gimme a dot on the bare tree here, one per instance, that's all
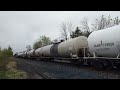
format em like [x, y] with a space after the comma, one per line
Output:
[104, 22]
[95, 25]
[85, 27]
[70, 28]
[64, 30]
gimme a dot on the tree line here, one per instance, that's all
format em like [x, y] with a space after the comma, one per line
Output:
[68, 31]
[85, 29]
[6, 52]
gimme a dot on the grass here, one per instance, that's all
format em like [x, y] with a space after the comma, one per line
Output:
[10, 72]
[8, 68]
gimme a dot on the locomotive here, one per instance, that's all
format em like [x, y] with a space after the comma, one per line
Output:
[101, 50]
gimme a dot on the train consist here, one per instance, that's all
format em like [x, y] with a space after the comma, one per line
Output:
[101, 49]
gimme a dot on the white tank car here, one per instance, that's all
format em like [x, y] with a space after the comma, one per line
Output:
[45, 51]
[37, 52]
[106, 42]
[20, 54]
[73, 46]
[30, 53]
[24, 54]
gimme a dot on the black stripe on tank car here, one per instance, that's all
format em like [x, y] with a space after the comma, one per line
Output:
[54, 50]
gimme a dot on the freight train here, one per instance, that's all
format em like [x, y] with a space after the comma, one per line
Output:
[101, 50]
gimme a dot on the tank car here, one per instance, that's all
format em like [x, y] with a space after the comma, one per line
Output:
[19, 55]
[73, 47]
[24, 55]
[37, 52]
[104, 46]
[45, 51]
[54, 50]
[101, 49]
[106, 42]
[31, 54]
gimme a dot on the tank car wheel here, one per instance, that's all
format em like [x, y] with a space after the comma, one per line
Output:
[109, 65]
[118, 66]
[76, 62]
[98, 65]
[52, 60]
[90, 63]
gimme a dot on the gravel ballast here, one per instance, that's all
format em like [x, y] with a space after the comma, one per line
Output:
[62, 71]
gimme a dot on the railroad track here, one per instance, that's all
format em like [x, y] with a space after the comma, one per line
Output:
[66, 63]
[43, 75]
[114, 70]
[40, 72]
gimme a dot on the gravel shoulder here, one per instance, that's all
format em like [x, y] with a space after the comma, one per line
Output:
[61, 71]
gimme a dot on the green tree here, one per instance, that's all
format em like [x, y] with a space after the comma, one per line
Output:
[86, 33]
[0, 48]
[76, 33]
[7, 51]
[10, 52]
[42, 41]
[37, 44]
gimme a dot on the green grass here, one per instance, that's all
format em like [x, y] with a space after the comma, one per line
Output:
[2, 75]
[8, 66]
[15, 74]
[10, 71]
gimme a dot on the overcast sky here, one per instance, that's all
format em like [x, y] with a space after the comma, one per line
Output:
[21, 28]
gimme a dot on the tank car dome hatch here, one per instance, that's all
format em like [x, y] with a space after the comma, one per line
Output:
[106, 42]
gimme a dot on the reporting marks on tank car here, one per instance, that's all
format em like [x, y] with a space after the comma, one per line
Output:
[104, 44]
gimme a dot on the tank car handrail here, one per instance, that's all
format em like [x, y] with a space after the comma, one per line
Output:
[118, 55]
[101, 58]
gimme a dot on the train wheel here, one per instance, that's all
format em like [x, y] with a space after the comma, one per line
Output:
[109, 65]
[76, 62]
[118, 66]
[89, 62]
[98, 65]
[52, 60]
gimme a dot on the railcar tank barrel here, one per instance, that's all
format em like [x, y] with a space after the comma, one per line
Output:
[74, 46]
[106, 42]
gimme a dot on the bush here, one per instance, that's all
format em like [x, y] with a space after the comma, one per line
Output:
[4, 57]
[11, 72]
[8, 66]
